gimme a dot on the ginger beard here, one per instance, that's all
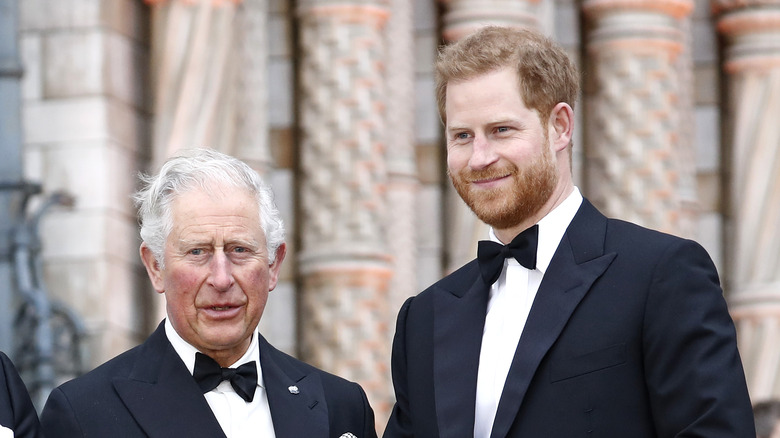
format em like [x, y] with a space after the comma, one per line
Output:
[502, 208]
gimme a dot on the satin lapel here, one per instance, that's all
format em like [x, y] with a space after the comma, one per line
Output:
[301, 414]
[577, 263]
[458, 321]
[162, 396]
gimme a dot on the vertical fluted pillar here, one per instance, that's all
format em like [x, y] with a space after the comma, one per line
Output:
[403, 184]
[345, 265]
[251, 142]
[460, 18]
[637, 159]
[194, 65]
[751, 29]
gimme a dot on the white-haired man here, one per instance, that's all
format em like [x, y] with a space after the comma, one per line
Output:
[213, 243]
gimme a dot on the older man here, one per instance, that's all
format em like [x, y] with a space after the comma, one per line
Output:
[213, 244]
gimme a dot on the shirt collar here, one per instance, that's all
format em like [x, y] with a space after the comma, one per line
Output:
[551, 229]
[187, 352]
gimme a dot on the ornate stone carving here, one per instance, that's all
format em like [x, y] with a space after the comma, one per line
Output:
[344, 258]
[634, 110]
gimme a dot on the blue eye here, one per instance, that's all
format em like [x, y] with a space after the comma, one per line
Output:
[196, 251]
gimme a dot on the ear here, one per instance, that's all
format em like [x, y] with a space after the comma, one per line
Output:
[561, 126]
[152, 268]
[276, 266]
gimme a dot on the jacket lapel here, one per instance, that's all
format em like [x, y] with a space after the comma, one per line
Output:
[459, 319]
[162, 396]
[298, 413]
[577, 263]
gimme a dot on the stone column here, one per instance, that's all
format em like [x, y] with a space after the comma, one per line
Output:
[751, 30]
[460, 18]
[403, 184]
[251, 112]
[194, 75]
[638, 166]
[345, 264]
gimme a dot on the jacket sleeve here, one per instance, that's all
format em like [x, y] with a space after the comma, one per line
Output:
[400, 422]
[18, 412]
[58, 418]
[692, 367]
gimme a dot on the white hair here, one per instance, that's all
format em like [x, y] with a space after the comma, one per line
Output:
[201, 169]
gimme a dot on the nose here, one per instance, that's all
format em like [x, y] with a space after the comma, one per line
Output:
[221, 277]
[482, 153]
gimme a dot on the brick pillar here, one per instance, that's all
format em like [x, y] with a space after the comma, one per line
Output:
[638, 164]
[751, 30]
[345, 264]
[460, 18]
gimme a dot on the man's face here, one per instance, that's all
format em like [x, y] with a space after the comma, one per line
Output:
[217, 276]
[498, 152]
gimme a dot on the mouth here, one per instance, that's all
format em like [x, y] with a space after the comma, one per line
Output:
[221, 308]
[489, 181]
[222, 311]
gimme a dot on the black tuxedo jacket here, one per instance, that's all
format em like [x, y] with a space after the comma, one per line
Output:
[629, 336]
[148, 391]
[16, 409]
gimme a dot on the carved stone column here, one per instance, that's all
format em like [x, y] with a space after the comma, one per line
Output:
[638, 159]
[460, 18]
[751, 29]
[345, 265]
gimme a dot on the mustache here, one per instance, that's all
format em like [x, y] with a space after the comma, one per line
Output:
[485, 174]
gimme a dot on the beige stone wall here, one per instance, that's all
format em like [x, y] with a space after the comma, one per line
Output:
[86, 125]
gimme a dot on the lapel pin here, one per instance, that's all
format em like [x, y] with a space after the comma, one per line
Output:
[348, 435]
[293, 389]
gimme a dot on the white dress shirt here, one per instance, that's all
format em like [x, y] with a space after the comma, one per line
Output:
[509, 304]
[238, 418]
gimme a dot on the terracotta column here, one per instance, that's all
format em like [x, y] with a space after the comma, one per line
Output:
[345, 264]
[638, 164]
[751, 29]
[460, 18]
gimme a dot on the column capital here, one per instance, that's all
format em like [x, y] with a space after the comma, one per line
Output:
[215, 3]
[463, 17]
[752, 29]
[352, 11]
[637, 25]
[721, 6]
[673, 8]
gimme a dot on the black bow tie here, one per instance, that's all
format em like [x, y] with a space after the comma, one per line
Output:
[209, 375]
[491, 255]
